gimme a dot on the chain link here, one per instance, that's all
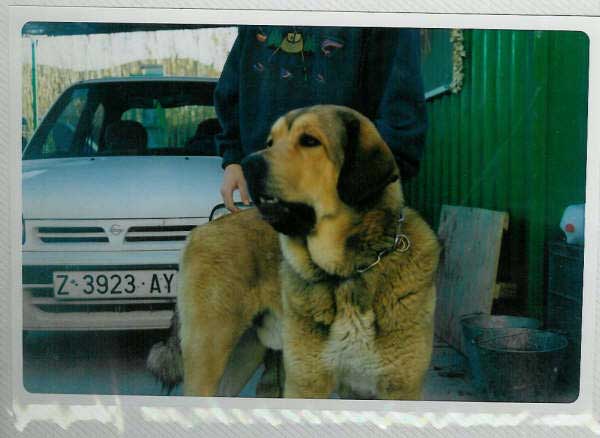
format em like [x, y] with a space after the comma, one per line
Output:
[401, 244]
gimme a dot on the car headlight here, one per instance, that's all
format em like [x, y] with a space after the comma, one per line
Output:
[220, 210]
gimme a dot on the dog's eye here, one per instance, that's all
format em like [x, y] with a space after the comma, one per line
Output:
[269, 142]
[309, 140]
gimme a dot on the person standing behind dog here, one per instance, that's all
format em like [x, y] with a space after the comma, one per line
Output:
[271, 70]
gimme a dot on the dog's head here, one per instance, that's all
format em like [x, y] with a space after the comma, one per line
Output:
[318, 160]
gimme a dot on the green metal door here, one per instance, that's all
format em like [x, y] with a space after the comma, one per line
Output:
[513, 139]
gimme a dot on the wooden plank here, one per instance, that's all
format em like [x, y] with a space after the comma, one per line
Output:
[466, 281]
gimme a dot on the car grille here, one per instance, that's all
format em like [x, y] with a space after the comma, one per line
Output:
[41, 297]
[108, 234]
[167, 233]
[72, 235]
[91, 308]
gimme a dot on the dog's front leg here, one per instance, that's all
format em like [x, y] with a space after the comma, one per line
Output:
[306, 375]
[403, 374]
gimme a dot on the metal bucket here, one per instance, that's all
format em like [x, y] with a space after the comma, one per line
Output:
[473, 327]
[520, 364]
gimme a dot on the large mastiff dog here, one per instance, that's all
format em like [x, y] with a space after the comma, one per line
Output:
[332, 267]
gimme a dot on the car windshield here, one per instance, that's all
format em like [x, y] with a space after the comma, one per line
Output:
[129, 118]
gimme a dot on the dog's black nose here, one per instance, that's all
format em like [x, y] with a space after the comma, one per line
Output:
[255, 170]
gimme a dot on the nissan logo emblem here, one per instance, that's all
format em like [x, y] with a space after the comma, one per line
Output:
[116, 229]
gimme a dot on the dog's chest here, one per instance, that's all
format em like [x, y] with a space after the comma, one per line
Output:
[350, 348]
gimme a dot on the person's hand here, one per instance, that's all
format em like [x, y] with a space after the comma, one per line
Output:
[233, 180]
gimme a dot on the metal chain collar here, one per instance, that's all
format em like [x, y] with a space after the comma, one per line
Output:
[401, 244]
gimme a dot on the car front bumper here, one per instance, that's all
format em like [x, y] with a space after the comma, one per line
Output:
[41, 311]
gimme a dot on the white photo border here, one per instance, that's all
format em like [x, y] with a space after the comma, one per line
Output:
[78, 415]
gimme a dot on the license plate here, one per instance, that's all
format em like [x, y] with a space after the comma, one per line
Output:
[114, 284]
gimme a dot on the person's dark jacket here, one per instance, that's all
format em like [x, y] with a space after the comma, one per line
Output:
[375, 71]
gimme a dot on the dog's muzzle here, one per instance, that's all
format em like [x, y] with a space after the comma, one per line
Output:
[290, 218]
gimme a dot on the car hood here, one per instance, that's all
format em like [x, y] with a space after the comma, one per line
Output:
[121, 187]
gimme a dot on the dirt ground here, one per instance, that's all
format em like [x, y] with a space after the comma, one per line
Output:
[114, 363]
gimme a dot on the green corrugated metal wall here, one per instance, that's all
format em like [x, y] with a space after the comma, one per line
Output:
[513, 139]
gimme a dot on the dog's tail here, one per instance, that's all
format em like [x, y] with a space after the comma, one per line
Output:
[164, 360]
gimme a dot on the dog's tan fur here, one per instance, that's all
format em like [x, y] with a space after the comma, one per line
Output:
[360, 334]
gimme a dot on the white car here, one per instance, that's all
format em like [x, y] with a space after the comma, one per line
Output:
[115, 177]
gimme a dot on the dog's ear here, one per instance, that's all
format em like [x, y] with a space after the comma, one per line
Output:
[368, 165]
